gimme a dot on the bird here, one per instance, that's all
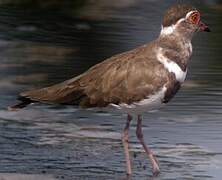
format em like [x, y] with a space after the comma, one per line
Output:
[135, 82]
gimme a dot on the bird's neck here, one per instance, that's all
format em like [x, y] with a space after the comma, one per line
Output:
[176, 32]
[172, 38]
[175, 47]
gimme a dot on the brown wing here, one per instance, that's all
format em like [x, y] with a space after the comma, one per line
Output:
[122, 78]
[60, 93]
[71, 91]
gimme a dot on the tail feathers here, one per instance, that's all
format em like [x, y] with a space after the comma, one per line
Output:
[63, 93]
[25, 102]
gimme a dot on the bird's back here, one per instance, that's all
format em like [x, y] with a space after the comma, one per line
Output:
[124, 78]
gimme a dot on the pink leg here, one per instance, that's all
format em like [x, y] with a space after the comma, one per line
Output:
[139, 134]
[125, 140]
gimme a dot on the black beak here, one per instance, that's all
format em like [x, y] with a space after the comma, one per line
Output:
[207, 29]
[203, 27]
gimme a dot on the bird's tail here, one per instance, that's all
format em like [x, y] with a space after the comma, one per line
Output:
[24, 102]
[68, 92]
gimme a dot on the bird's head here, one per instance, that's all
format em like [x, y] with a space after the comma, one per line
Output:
[182, 20]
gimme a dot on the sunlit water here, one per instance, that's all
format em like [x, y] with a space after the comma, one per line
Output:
[43, 45]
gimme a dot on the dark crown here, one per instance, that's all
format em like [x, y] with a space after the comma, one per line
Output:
[174, 13]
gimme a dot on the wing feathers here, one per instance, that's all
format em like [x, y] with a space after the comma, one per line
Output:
[123, 78]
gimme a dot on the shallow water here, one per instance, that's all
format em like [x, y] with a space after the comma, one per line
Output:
[48, 43]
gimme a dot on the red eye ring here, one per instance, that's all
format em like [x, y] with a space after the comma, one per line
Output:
[194, 17]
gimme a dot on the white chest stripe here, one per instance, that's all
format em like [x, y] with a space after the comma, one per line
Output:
[172, 67]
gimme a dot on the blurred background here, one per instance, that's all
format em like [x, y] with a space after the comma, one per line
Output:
[46, 42]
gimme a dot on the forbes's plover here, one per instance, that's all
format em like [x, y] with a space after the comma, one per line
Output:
[134, 82]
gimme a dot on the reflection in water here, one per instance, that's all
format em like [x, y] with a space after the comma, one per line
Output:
[53, 41]
[17, 176]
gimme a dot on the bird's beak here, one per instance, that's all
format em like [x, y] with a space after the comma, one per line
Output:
[203, 27]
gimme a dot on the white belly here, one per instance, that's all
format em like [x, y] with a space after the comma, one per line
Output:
[151, 103]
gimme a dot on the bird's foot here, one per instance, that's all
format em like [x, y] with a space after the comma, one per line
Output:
[128, 176]
[155, 166]
[156, 171]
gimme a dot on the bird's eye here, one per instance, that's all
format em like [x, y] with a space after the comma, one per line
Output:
[194, 17]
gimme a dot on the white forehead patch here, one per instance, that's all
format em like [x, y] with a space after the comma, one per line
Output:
[172, 67]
